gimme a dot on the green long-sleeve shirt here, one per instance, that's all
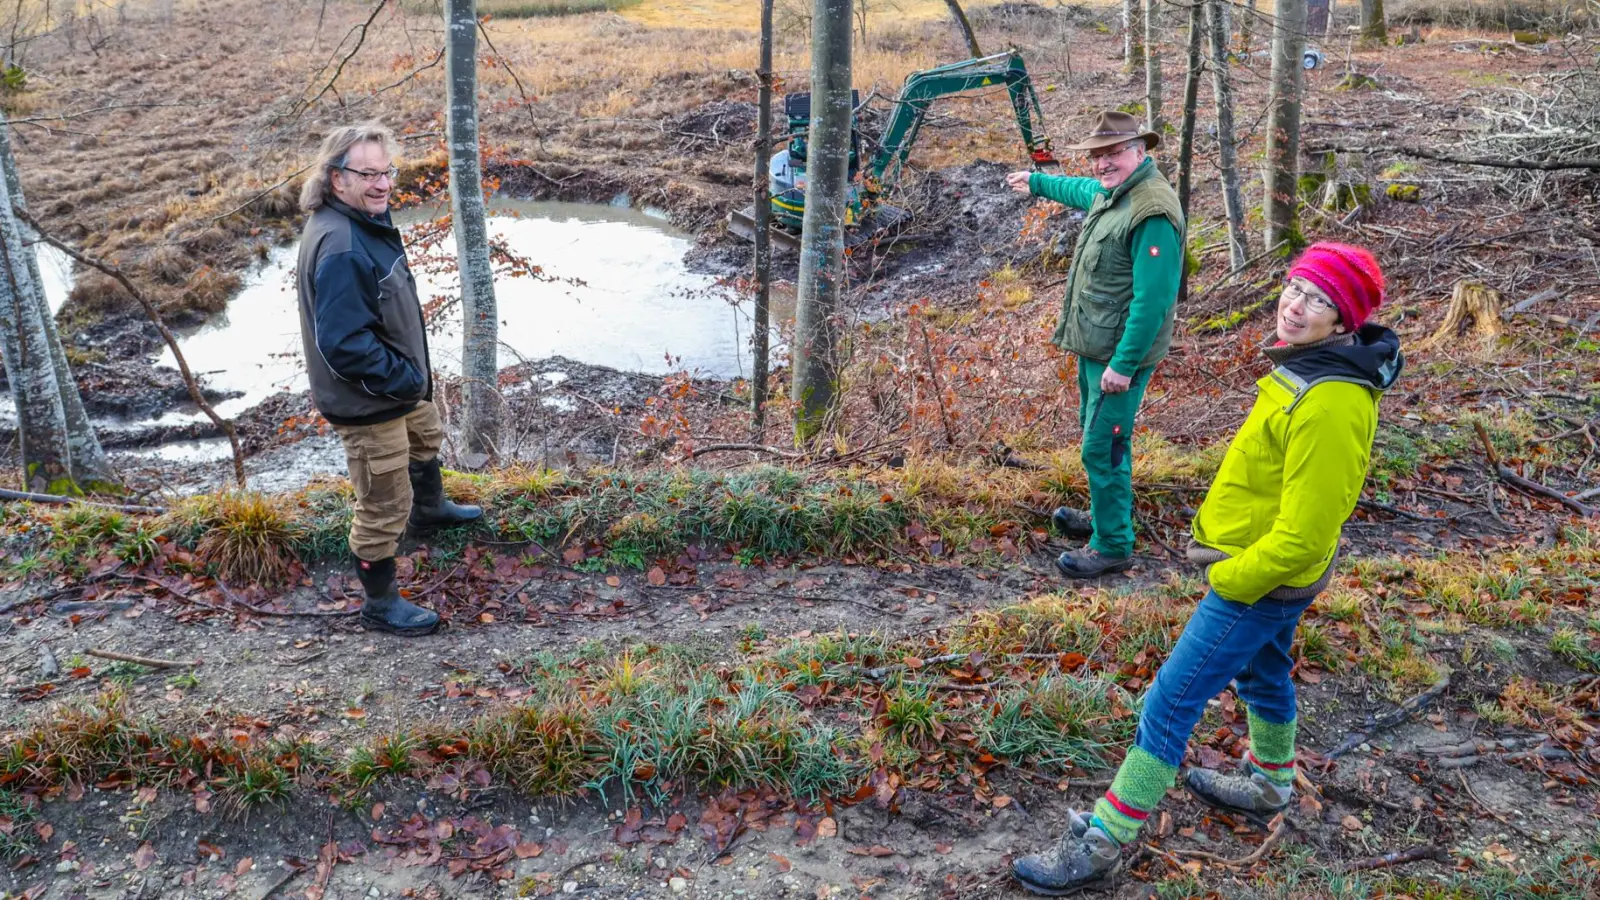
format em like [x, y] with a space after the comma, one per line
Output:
[1157, 266]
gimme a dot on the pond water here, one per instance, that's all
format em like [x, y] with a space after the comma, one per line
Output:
[619, 296]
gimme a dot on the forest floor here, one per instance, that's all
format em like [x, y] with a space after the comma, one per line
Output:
[942, 699]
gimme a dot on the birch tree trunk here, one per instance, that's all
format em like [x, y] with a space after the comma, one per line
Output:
[480, 323]
[1152, 65]
[41, 421]
[1132, 36]
[89, 466]
[1374, 26]
[761, 333]
[965, 24]
[1191, 99]
[822, 230]
[1280, 205]
[1227, 148]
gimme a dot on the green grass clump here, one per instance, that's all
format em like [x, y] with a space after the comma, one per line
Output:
[18, 813]
[1061, 721]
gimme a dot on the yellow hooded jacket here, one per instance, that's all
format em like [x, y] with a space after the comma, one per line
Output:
[1294, 471]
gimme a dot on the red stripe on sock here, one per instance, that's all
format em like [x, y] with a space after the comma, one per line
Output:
[1273, 766]
[1125, 809]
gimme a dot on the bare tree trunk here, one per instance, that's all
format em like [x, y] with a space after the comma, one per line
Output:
[41, 422]
[1374, 26]
[1247, 23]
[1280, 206]
[90, 468]
[963, 23]
[1227, 148]
[1152, 65]
[1191, 100]
[762, 331]
[1132, 36]
[822, 230]
[480, 324]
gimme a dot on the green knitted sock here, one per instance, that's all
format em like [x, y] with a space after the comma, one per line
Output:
[1272, 748]
[1140, 784]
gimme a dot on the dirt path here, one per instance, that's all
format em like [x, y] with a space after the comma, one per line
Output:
[326, 679]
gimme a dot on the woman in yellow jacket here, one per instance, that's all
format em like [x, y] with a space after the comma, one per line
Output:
[1269, 532]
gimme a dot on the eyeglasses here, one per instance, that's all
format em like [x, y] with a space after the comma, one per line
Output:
[1117, 152]
[392, 172]
[1313, 302]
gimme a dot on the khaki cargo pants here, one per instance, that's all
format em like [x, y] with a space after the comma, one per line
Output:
[378, 456]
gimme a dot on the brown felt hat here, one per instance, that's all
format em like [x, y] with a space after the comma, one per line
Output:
[1112, 128]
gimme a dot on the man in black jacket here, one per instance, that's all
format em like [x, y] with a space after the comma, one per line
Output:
[366, 353]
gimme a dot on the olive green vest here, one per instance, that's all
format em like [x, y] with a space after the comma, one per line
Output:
[1100, 282]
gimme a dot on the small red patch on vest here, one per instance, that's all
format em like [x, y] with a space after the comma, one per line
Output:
[1155, 251]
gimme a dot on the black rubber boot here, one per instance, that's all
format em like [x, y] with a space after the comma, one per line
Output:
[429, 508]
[1090, 563]
[385, 610]
[1073, 523]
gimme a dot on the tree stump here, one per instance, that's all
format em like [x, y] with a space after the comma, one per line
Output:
[1474, 310]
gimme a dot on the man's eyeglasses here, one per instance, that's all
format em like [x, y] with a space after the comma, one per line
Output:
[366, 175]
[1313, 302]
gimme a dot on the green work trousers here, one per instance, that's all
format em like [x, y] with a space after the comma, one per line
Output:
[1107, 421]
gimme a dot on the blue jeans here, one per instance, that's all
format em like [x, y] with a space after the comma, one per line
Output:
[1224, 641]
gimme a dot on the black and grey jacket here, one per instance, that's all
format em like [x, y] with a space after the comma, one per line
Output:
[360, 318]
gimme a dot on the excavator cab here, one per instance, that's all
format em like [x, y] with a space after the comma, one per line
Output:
[787, 170]
[873, 178]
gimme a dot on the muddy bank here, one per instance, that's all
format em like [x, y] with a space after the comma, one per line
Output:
[559, 413]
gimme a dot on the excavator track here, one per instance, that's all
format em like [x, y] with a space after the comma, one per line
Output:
[883, 222]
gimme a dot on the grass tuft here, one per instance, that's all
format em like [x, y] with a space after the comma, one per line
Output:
[250, 539]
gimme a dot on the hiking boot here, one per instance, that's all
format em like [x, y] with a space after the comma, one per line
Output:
[385, 609]
[1250, 795]
[1074, 523]
[1084, 857]
[429, 507]
[1091, 563]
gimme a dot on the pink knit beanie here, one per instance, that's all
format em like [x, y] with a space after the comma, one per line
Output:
[1349, 275]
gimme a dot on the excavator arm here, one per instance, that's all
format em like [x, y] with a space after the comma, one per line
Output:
[922, 88]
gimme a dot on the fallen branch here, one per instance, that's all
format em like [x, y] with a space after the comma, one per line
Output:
[1504, 473]
[1250, 860]
[1390, 719]
[1493, 162]
[1491, 746]
[148, 661]
[1394, 510]
[1400, 857]
[6, 494]
[241, 207]
[753, 448]
[224, 425]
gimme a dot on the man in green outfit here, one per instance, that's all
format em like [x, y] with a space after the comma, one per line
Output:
[1117, 318]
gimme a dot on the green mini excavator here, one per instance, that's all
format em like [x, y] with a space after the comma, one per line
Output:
[867, 213]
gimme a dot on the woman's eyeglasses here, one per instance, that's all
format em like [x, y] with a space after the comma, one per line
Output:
[1313, 302]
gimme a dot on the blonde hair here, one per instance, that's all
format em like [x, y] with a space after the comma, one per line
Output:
[332, 154]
